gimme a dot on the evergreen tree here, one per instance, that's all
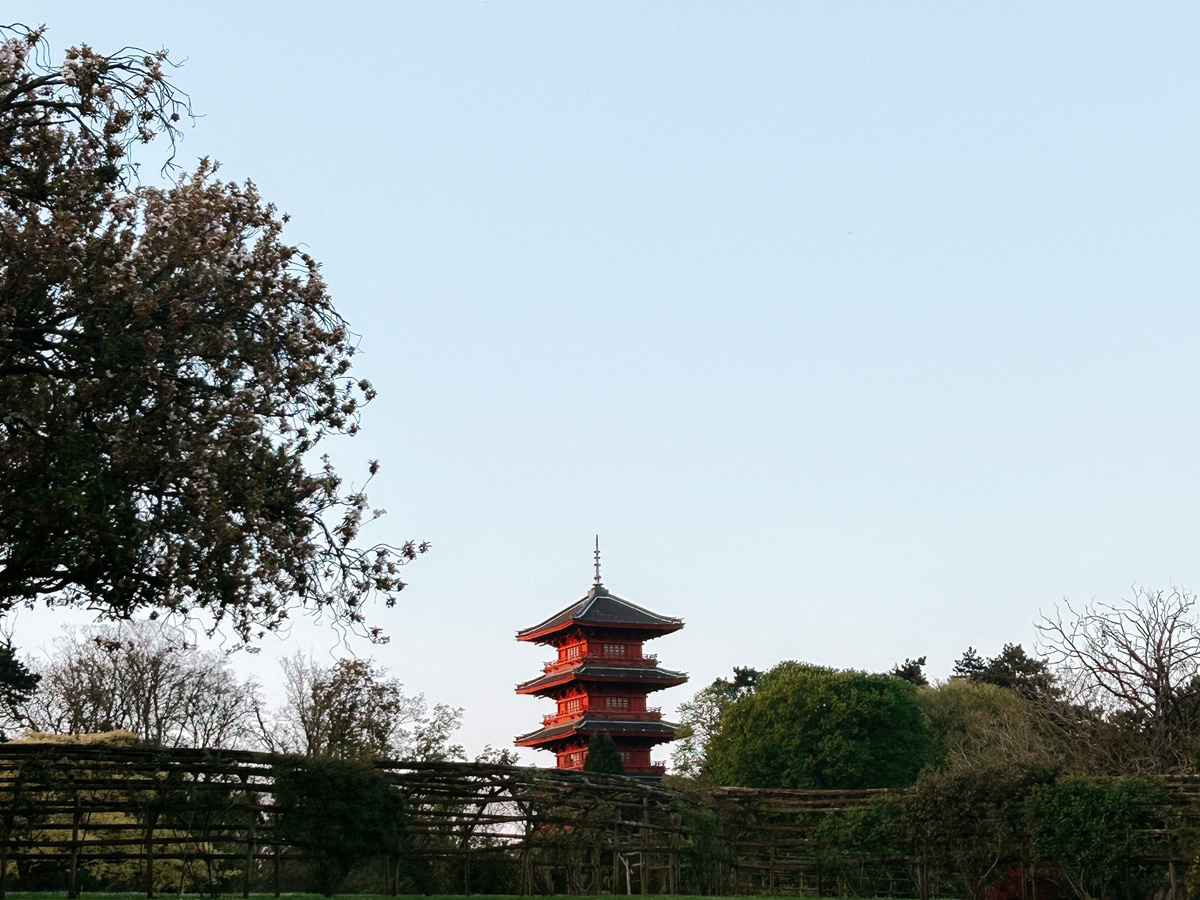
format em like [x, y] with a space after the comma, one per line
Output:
[912, 670]
[1013, 668]
[603, 756]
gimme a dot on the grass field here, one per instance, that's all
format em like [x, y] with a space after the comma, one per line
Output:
[167, 895]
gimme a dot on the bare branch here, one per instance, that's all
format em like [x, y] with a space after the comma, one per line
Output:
[1135, 662]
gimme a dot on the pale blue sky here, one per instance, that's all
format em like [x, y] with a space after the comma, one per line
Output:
[858, 331]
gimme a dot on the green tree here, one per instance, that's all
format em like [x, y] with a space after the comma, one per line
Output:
[1030, 677]
[353, 709]
[167, 363]
[911, 670]
[808, 726]
[974, 723]
[341, 811]
[17, 685]
[700, 719]
[1094, 831]
[603, 756]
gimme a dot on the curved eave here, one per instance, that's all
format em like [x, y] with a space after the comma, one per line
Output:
[657, 731]
[602, 611]
[646, 632]
[654, 679]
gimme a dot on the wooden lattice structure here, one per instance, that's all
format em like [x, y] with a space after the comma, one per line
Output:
[778, 843]
[199, 821]
[772, 836]
[211, 816]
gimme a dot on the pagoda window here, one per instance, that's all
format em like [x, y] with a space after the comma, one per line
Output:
[614, 649]
[573, 652]
[574, 705]
[616, 703]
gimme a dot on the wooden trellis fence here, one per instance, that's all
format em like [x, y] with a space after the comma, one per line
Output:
[772, 838]
[776, 845]
[211, 816]
[75, 816]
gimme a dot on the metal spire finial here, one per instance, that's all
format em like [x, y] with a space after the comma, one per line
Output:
[597, 559]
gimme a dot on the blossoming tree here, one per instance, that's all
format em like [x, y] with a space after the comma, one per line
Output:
[168, 363]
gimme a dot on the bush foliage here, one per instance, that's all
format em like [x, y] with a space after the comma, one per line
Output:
[1094, 831]
[342, 811]
[811, 727]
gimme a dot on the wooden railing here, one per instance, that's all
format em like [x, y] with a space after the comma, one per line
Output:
[653, 714]
[649, 660]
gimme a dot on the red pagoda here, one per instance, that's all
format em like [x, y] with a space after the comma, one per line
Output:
[600, 681]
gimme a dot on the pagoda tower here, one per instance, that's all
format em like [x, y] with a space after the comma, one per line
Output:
[600, 681]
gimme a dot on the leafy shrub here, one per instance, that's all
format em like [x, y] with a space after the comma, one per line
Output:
[341, 811]
[1091, 829]
[811, 727]
[967, 826]
[860, 845]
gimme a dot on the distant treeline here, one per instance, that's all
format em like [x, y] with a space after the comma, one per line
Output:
[1116, 693]
[150, 681]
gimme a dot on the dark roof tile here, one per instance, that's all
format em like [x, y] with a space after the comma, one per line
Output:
[587, 725]
[599, 607]
[642, 674]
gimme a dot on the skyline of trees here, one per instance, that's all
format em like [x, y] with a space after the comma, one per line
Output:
[1013, 709]
[150, 680]
[1118, 693]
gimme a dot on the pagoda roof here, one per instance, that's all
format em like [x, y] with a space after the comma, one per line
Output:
[648, 675]
[599, 608]
[657, 730]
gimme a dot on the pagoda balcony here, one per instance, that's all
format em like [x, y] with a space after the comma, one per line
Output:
[658, 769]
[653, 714]
[648, 660]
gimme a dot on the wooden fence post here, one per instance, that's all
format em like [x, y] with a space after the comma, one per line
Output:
[9, 819]
[251, 833]
[73, 883]
[644, 864]
[151, 820]
[8, 823]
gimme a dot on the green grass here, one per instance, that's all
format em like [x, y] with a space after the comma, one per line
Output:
[167, 895]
